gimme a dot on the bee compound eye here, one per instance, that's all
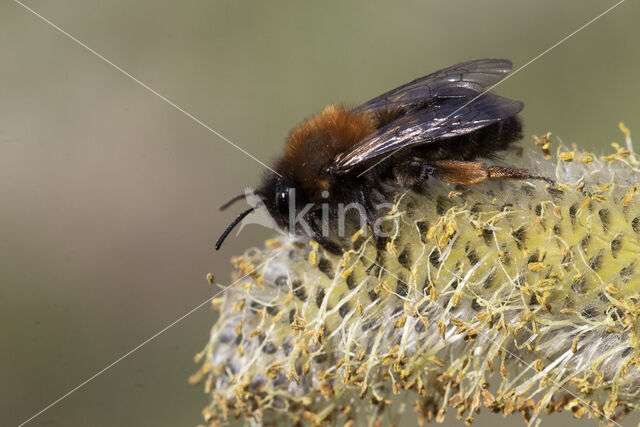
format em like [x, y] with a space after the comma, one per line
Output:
[282, 200]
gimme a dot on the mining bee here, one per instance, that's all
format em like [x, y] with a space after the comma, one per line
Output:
[436, 126]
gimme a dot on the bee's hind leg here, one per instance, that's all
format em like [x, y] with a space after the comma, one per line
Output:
[469, 173]
[499, 172]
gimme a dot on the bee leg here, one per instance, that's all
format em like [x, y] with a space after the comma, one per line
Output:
[469, 173]
[497, 172]
[329, 245]
[326, 243]
[372, 217]
[381, 244]
[412, 173]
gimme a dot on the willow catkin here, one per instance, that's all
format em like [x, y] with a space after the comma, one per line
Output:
[514, 296]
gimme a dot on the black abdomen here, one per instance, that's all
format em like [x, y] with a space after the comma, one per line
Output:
[481, 143]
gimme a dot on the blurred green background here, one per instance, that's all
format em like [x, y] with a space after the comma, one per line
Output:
[109, 196]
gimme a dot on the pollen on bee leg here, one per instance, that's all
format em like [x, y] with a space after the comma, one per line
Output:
[470, 296]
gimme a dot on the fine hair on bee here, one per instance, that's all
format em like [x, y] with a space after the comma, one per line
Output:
[436, 126]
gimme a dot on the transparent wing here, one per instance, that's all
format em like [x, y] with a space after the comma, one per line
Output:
[452, 117]
[462, 80]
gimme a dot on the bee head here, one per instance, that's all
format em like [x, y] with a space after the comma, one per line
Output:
[281, 196]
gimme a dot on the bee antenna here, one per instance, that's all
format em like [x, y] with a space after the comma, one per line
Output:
[231, 226]
[232, 201]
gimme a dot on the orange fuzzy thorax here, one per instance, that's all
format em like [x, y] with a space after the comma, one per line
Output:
[315, 143]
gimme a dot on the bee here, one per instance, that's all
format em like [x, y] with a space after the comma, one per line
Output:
[436, 126]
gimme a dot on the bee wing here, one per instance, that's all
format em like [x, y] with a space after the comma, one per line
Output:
[458, 81]
[450, 118]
